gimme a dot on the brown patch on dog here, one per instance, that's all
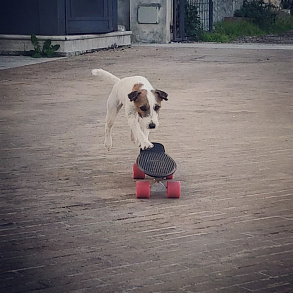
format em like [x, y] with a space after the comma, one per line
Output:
[142, 104]
[139, 97]
[137, 87]
[159, 101]
[135, 92]
[159, 96]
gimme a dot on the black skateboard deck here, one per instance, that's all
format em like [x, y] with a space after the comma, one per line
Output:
[155, 162]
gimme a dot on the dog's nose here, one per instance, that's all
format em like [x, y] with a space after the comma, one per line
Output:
[152, 125]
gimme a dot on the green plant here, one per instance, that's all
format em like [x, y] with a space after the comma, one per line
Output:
[227, 31]
[192, 24]
[48, 50]
[215, 37]
[259, 12]
[284, 22]
[36, 53]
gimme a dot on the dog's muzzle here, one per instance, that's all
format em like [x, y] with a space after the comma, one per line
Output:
[152, 125]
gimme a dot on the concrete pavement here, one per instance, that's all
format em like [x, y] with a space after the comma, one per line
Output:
[69, 219]
[18, 61]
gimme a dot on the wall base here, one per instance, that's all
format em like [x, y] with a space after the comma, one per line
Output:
[69, 45]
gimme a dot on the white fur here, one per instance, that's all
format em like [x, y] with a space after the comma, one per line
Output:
[118, 97]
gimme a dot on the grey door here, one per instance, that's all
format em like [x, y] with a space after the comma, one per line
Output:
[91, 16]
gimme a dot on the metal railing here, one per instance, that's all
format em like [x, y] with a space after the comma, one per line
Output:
[205, 13]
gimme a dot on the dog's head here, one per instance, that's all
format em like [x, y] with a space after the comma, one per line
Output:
[147, 104]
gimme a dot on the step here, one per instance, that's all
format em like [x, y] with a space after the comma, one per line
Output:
[69, 45]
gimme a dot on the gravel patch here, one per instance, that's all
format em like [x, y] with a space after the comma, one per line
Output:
[284, 38]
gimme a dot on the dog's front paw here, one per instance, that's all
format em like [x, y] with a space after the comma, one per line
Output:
[146, 145]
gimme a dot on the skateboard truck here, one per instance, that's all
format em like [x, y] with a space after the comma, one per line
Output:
[155, 163]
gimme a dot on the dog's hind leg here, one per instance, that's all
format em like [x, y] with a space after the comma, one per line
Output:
[113, 107]
[132, 137]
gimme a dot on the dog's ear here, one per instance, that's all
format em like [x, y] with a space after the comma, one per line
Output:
[133, 95]
[162, 95]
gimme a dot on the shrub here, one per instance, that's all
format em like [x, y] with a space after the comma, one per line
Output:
[284, 22]
[260, 13]
[192, 24]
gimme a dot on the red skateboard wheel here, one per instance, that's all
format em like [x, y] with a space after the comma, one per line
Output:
[137, 173]
[173, 189]
[143, 189]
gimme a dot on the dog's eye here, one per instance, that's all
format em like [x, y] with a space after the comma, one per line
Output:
[143, 108]
[157, 108]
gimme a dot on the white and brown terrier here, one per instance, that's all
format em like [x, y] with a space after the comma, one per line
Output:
[142, 105]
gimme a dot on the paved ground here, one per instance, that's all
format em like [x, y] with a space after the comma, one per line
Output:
[69, 219]
[18, 61]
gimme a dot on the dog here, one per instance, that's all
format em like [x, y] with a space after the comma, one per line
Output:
[142, 106]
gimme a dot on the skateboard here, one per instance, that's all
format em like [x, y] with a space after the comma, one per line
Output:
[155, 163]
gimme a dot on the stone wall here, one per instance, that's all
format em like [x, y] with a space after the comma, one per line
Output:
[225, 8]
[153, 31]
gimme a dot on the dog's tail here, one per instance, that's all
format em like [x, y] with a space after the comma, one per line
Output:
[105, 74]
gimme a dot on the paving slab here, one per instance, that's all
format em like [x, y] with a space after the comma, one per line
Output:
[69, 218]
